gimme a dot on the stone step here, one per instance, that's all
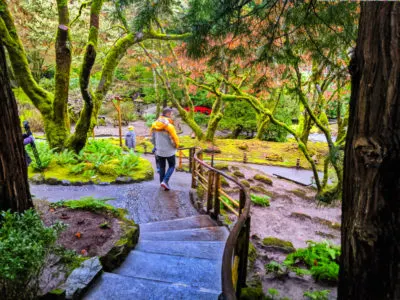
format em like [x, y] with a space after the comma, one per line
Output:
[116, 287]
[202, 249]
[193, 272]
[216, 233]
[179, 224]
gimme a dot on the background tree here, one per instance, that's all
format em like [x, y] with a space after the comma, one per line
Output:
[370, 260]
[14, 187]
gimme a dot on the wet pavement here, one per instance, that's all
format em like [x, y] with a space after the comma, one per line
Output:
[145, 201]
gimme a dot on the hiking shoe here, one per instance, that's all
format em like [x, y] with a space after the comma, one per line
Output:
[165, 186]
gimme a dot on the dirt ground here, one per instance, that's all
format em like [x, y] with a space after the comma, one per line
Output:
[83, 235]
[295, 216]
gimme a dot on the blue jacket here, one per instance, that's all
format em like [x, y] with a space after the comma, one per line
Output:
[130, 140]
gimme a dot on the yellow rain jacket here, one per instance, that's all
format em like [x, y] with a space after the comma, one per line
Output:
[164, 137]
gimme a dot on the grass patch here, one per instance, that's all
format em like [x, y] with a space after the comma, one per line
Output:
[89, 203]
[260, 201]
[258, 150]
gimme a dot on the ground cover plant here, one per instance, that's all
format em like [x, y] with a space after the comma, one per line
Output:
[25, 244]
[99, 160]
[319, 260]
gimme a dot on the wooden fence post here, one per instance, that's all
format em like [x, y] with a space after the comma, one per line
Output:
[210, 190]
[217, 184]
[243, 251]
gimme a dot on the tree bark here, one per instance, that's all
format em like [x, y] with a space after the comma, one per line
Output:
[14, 187]
[370, 261]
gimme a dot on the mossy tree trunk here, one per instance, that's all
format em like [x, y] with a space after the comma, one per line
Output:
[53, 108]
[215, 118]
[14, 186]
[84, 124]
[370, 259]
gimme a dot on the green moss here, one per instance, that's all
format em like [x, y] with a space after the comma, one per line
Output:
[252, 293]
[57, 292]
[260, 190]
[221, 166]
[245, 183]
[224, 182]
[238, 174]
[263, 179]
[252, 254]
[301, 193]
[256, 153]
[275, 242]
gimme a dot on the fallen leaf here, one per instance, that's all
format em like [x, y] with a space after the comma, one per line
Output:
[78, 235]
[84, 252]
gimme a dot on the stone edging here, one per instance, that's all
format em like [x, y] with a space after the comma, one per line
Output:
[40, 179]
[80, 279]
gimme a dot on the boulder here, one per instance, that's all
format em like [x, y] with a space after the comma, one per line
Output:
[80, 279]
[38, 178]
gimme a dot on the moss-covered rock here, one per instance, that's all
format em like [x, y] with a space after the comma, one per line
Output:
[325, 235]
[245, 183]
[259, 189]
[224, 182]
[301, 194]
[330, 224]
[300, 216]
[123, 246]
[273, 242]
[263, 179]
[243, 147]
[252, 293]
[238, 174]
[221, 166]
[274, 157]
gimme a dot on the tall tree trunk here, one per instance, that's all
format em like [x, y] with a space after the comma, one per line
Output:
[370, 261]
[14, 187]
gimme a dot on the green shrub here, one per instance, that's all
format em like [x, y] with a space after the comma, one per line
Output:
[201, 119]
[260, 201]
[24, 245]
[149, 118]
[45, 153]
[320, 258]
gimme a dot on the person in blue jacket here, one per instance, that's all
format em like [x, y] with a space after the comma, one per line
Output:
[130, 138]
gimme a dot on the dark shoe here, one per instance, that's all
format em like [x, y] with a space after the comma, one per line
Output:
[165, 186]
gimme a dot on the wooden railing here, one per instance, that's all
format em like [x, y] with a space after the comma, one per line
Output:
[234, 261]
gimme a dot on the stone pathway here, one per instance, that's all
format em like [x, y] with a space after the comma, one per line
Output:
[179, 254]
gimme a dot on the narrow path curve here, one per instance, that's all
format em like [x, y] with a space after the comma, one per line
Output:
[179, 254]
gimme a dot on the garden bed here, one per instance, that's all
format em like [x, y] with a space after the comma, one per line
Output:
[93, 229]
[100, 162]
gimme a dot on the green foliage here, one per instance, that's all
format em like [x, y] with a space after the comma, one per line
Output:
[128, 163]
[88, 203]
[24, 245]
[278, 133]
[320, 258]
[149, 118]
[317, 295]
[260, 200]
[45, 153]
[66, 157]
[201, 119]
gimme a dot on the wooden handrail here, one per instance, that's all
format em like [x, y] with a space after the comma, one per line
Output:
[237, 244]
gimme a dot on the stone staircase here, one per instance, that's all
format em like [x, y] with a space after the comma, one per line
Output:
[174, 259]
